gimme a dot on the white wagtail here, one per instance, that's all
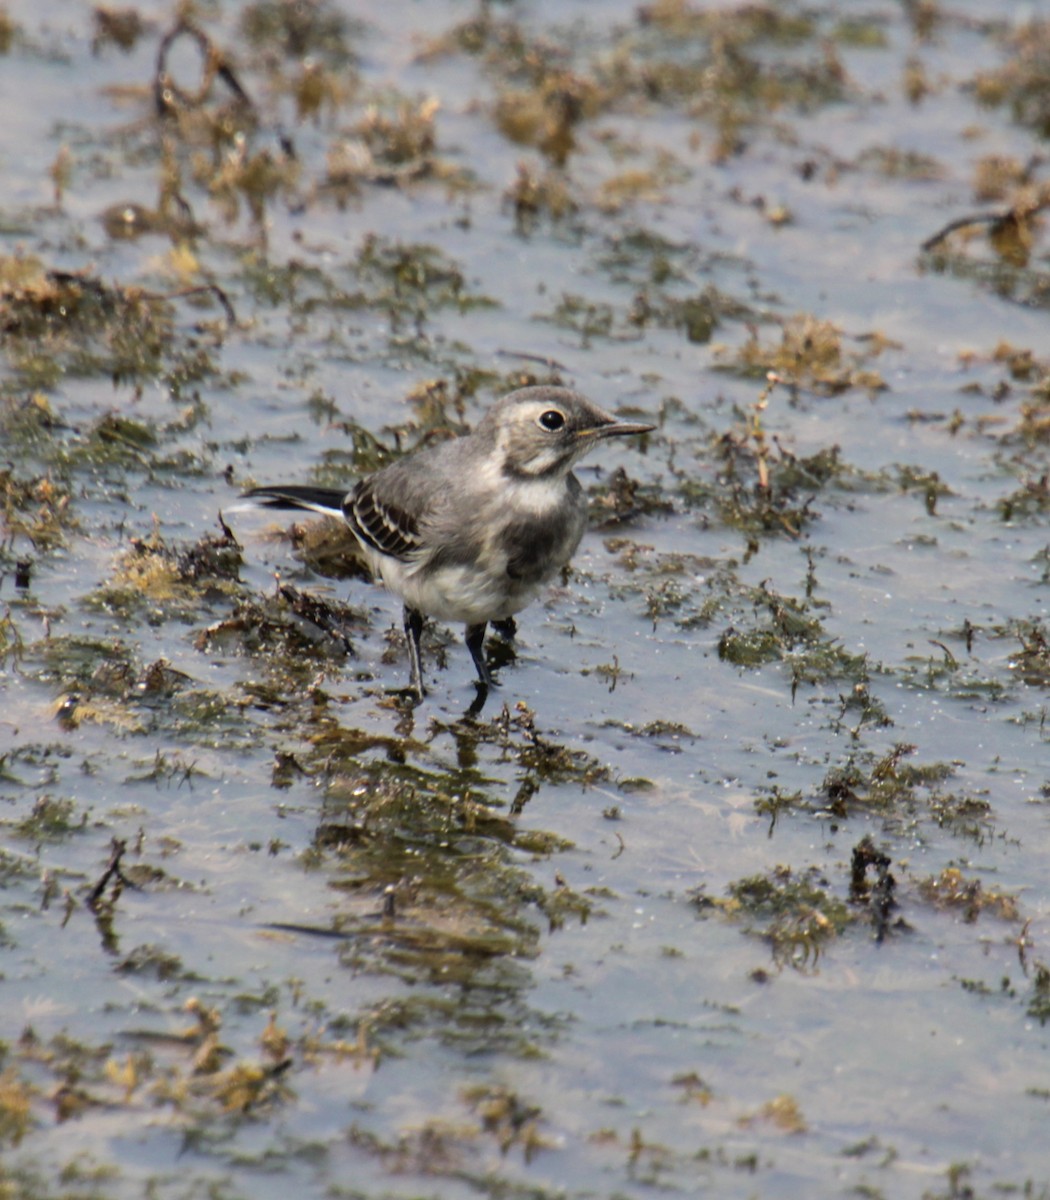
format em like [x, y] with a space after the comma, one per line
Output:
[472, 528]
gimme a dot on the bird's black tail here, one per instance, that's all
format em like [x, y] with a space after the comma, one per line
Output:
[314, 499]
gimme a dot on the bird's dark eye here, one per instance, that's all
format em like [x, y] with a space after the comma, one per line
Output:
[552, 420]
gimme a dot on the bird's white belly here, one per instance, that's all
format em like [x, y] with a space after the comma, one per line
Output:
[457, 593]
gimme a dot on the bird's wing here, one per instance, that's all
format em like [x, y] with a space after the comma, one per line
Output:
[381, 525]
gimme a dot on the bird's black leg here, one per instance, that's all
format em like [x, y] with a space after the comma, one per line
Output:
[475, 639]
[413, 631]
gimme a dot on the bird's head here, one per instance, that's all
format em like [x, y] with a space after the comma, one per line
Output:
[542, 431]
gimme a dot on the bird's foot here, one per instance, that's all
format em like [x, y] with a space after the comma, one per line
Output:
[478, 703]
[500, 653]
[507, 628]
[475, 639]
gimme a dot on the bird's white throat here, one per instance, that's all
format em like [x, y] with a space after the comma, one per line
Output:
[523, 493]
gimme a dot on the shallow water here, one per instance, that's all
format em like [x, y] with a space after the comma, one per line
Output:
[599, 939]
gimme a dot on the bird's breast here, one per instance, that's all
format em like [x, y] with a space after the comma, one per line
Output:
[538, 544]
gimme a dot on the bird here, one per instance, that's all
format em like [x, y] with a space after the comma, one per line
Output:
[469, 530]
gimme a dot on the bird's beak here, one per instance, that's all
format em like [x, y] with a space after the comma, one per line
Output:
[616, 429]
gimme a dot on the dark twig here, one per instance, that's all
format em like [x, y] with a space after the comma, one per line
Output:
[960, 223]
[117, 848]
[877, 897]
[994, 219]
[211, 288]
[330, 619]
[109, 296]
[318, 931]
[543, 359]
[167, 95]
